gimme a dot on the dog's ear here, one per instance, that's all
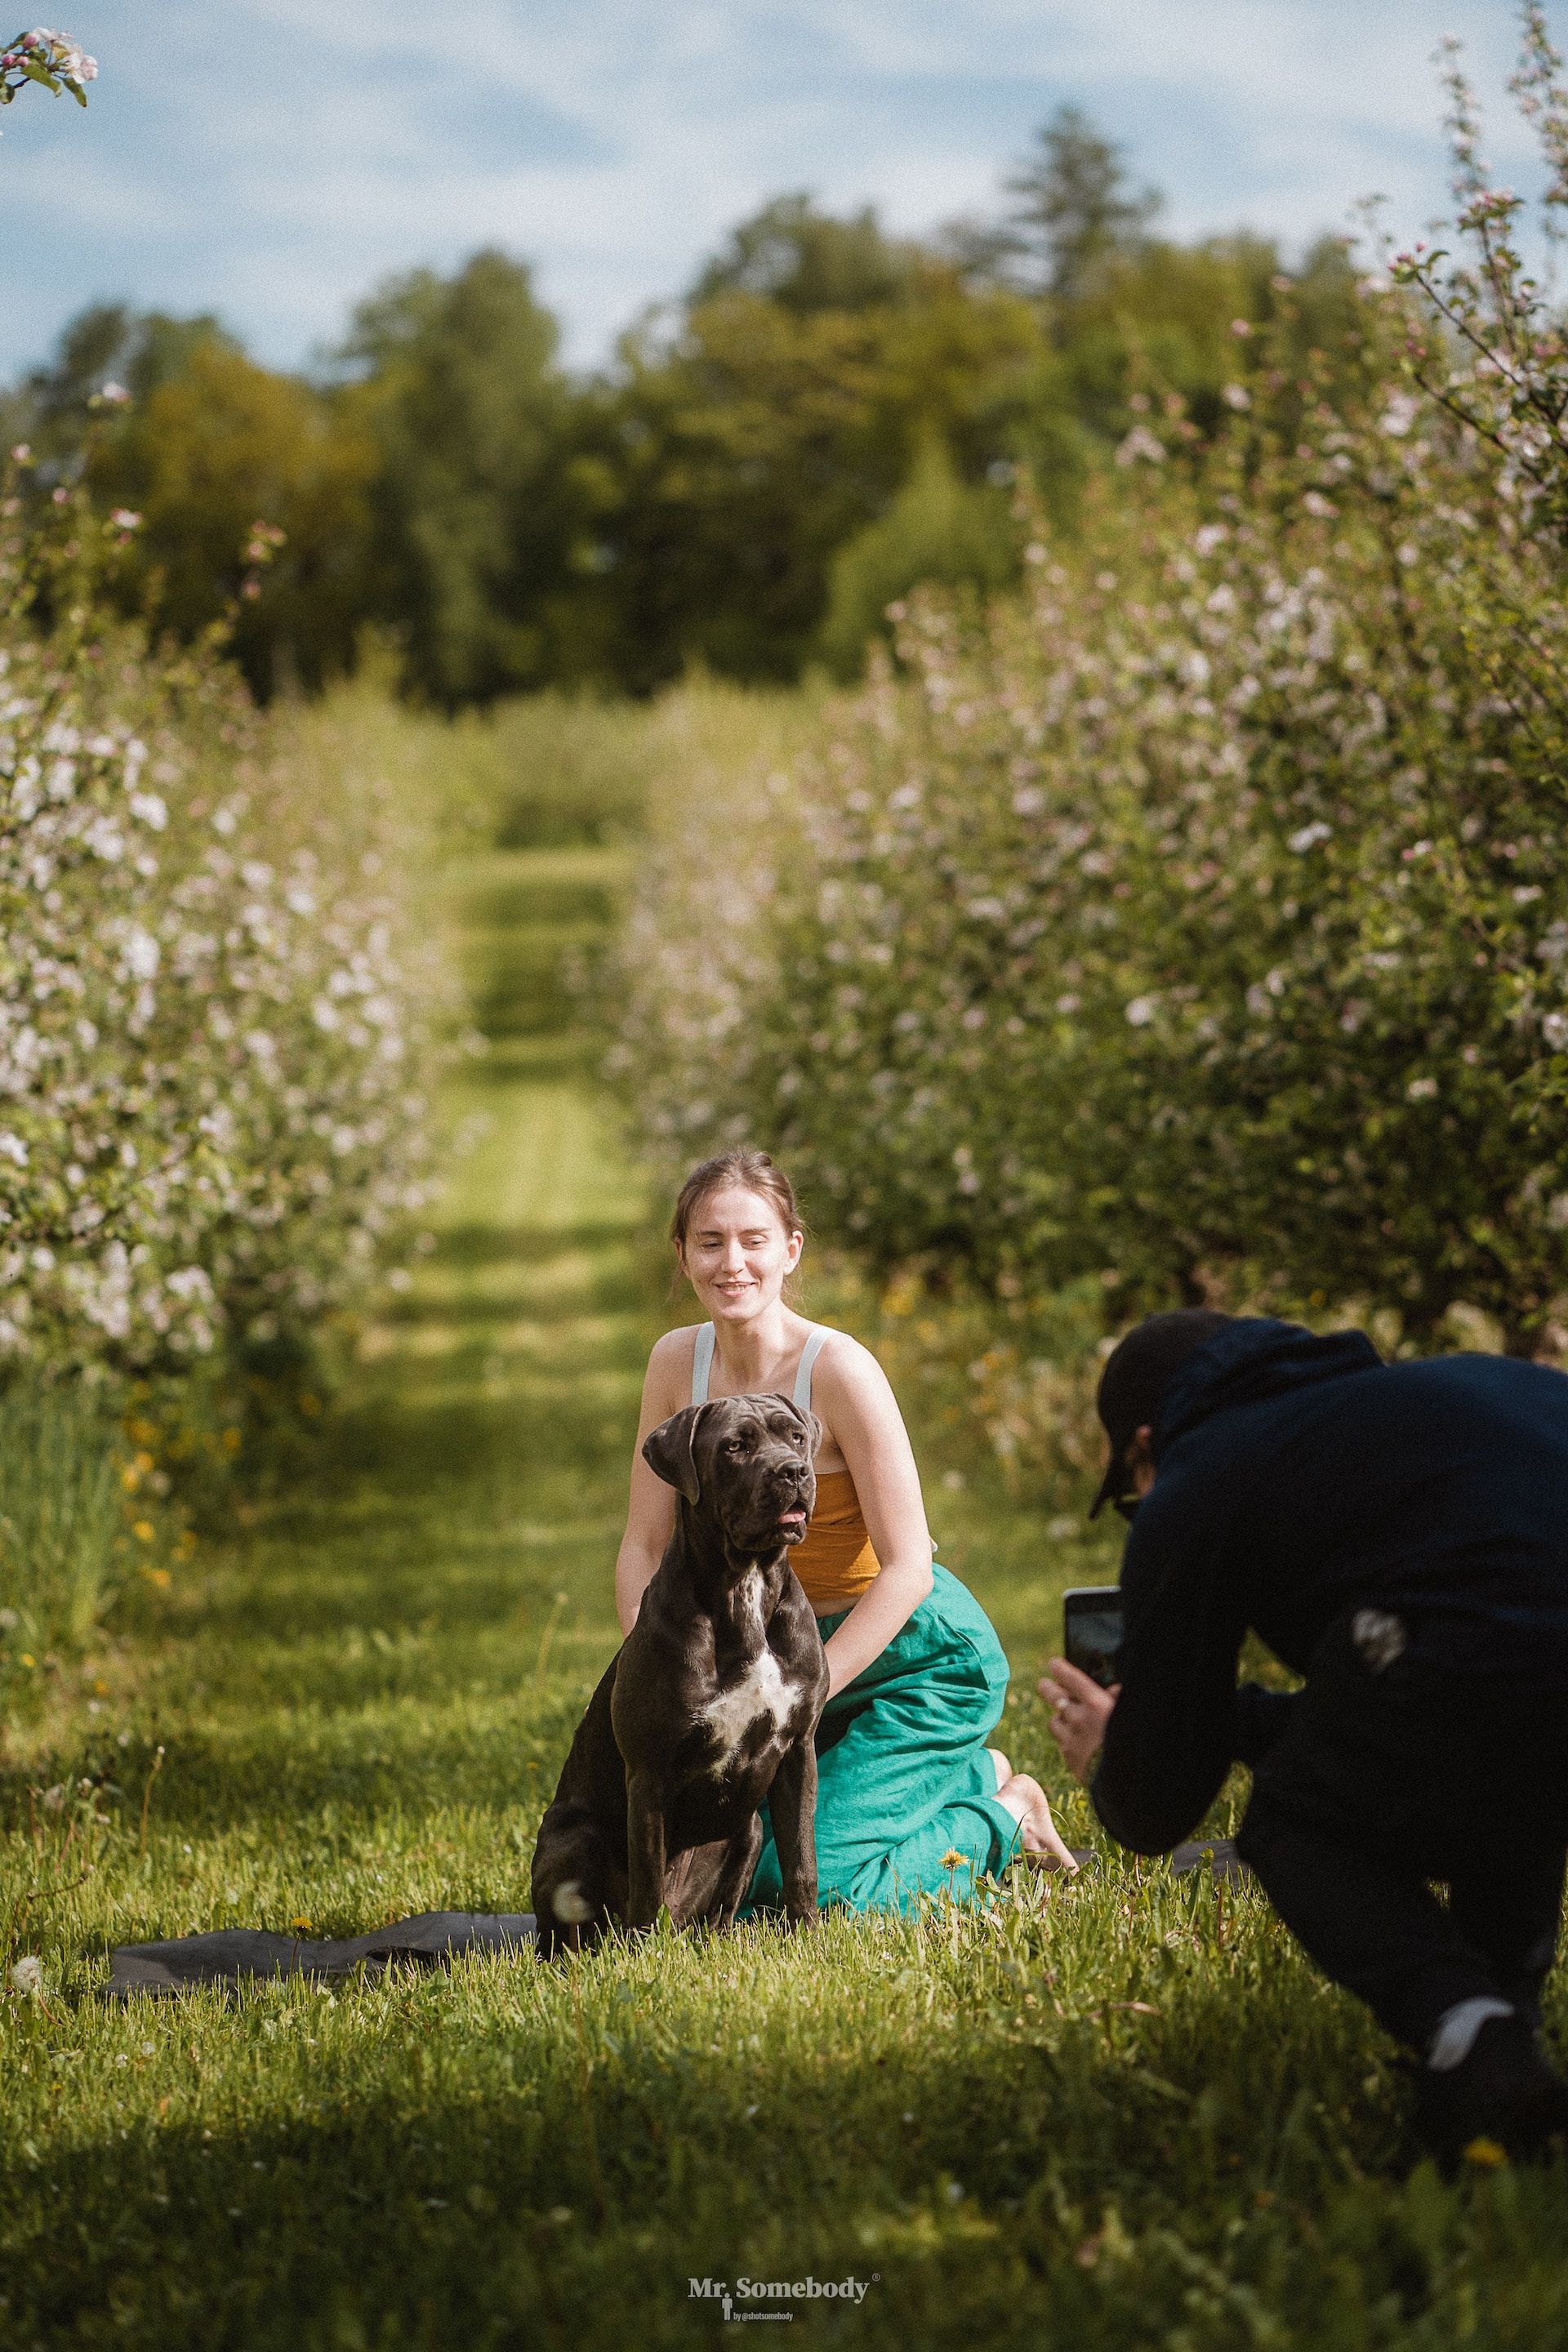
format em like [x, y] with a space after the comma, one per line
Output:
[813, 1429]
[666, 1450]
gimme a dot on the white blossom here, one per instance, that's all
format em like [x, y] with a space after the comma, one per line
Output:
[141, 954]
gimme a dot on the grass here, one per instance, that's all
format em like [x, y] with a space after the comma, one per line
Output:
[62, 1516]
[1119, 2113]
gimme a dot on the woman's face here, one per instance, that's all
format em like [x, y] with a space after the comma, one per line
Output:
[736, 1254]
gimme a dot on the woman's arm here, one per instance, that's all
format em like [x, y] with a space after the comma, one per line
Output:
[650, 1515]
[860, 1407]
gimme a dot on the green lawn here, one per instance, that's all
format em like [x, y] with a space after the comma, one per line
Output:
[1122, 2113]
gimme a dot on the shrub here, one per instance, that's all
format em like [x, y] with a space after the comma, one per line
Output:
[1199, 921]
[210, 1107]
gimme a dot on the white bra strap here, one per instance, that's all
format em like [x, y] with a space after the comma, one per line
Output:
[808, 1356]
[702, 1363]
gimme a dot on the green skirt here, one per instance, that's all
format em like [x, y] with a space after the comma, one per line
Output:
[903, 1778]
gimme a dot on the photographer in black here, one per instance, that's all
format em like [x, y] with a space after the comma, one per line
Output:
[1397, 1534]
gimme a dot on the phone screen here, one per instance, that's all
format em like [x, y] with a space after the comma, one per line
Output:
[1092, 1631]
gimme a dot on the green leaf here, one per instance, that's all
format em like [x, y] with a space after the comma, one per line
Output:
[77, 92]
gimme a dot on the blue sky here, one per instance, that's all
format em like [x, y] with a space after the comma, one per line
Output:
[271, 159]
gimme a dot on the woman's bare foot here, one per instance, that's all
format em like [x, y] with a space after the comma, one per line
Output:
[1030, 1808]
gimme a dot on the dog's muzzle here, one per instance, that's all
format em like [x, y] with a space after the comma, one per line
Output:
[779, 1511]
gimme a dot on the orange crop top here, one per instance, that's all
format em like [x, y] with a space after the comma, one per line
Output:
[835, 1561]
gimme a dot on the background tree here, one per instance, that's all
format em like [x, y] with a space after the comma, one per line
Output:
[792, 254]
[200, 447]
[217, 447]
[1134, 320]
[1073, 215]
[777, 413]
[938, 528]
[106, 345]
[478, 507]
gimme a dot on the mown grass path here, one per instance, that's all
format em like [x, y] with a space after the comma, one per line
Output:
[1119, 2113]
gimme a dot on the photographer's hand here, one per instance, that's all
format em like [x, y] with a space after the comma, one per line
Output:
[1080, 1710]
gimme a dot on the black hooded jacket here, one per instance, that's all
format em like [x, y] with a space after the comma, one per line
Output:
[1300, 1478]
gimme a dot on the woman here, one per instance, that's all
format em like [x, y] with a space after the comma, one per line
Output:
[917, 1675]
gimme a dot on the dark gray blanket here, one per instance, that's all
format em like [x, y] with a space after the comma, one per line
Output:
[1221, 1852]
[1227, 1863]
[232, 1955]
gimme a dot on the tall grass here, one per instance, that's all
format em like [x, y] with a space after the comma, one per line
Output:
[556, 770]
[61, 1512]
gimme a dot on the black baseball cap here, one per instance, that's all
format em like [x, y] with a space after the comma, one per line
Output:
[1138, 1372]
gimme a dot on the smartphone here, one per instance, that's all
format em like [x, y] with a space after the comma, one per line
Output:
[1091, 1629]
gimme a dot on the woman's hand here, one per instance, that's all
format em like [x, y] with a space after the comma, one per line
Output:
[1080, 1710]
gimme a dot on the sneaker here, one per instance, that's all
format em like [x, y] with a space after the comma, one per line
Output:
[1503, 2101]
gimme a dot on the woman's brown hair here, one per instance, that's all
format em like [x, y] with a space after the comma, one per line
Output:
[752, 1169]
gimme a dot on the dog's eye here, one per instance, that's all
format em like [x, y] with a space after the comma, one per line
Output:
[734, 1446]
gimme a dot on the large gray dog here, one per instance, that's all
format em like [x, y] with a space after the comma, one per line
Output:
[710, 1704]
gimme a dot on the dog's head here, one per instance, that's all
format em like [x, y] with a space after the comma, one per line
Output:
[745, 1463]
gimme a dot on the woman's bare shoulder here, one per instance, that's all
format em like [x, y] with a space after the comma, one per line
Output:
[669, 1362]
[674, 1348]
[845, 1364]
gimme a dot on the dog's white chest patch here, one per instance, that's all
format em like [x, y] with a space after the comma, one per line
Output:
[760, 1691]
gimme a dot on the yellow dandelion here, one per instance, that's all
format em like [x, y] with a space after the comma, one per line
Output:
[1488, 2152]
[143, 1530]
[952, 1859]
[297, 1924]
[130, 1478]
[158, 1576]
